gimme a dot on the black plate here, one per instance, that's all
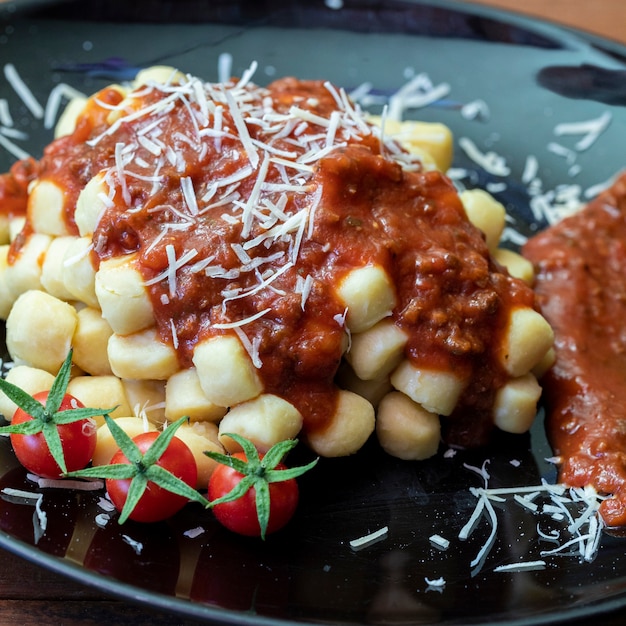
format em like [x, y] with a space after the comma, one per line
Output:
[532, 77]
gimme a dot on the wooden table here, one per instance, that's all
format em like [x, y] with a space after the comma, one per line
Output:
[600, 17]
[30, 595]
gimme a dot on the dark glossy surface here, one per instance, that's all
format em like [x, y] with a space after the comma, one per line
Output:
[309, 573]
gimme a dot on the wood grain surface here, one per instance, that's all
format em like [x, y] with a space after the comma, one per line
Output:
[600, 17]
[31, 595]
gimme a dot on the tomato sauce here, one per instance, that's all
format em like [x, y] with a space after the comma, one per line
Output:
[14, 188]
[358, 207]
[581, 290]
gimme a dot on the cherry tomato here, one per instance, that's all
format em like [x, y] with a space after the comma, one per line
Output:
[240, 515]
[156, 503]
[78, 440]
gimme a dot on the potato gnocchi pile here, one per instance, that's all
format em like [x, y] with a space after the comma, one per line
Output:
[259, 259]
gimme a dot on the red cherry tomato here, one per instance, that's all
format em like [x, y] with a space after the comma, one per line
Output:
[156, 503]
[240, 515]
[78, 440]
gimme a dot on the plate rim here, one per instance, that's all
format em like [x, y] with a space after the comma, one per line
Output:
[198, 610]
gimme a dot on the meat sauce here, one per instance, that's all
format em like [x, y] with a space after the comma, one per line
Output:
[14, 188]
[361, 207]
[581, 290]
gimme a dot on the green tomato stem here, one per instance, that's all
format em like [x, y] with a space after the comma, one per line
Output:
[46, 419]
[141, 468]
[258, 473]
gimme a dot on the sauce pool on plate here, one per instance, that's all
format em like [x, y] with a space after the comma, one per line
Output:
[581, 290]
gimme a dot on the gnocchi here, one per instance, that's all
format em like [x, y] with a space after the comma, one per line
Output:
[258, 294]
[41, 345]
[227, 375]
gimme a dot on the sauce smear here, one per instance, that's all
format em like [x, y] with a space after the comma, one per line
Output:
[581, 290]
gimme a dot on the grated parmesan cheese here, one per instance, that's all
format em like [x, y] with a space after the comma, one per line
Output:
[13, 148]
[560, 150]
[591, 129]
[577, 506]
[531, 169]
[527, 566]
[368, 540]
[13, 133]
[192, 533]
[105, 504]
[251, 347]
[137, 546]
[65, 483]
[491, 162]
[242, 322]
[475, 110]
[23, 91]
[439, 542]
[419, 92]
[435, 583]
[55, 98]
[224, 67]
[6, 119]
[21, 496]
[526, 503]
[102, 519]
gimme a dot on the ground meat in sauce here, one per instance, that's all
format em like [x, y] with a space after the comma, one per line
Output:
[453, 300]
[581, 290]
[14, 187]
